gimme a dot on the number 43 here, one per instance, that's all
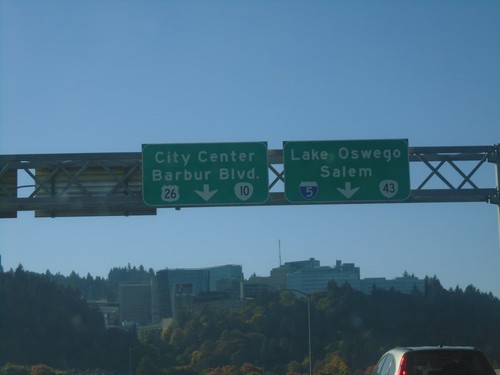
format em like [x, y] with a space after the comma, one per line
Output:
[388, 188]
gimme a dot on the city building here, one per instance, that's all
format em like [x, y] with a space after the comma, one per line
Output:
[256, 286]
[317, 279]
[278, 276]
[178, 288]
[405, 284]
[309, 276]
[176, 291]
[138, 304]
[309, 280]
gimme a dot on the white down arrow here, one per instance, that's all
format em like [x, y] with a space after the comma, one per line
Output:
[348, 191]
[206, 193]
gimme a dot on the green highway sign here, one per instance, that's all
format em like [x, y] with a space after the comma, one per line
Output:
[346, 171]
[200, 174]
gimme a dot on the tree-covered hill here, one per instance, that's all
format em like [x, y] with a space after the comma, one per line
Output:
[350, 330]
[42, 321]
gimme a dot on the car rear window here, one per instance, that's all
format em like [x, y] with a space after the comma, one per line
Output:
[448, 362]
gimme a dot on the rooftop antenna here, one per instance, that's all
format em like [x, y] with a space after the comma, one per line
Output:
[279, 251]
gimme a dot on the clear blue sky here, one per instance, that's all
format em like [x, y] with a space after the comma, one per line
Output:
[108, 76]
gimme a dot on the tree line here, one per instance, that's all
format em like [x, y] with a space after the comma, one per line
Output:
[100, 288]
[46, 325]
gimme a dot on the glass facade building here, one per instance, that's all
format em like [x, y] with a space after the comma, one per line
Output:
[174, 285]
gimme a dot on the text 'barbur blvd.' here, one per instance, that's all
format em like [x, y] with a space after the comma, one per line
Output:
[205, 174]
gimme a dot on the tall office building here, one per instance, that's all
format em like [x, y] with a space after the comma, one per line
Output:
[138, 303]
[310, 280]
[278, 277]
[181, 285]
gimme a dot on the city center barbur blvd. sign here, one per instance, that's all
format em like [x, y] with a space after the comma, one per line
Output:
[195, 174]
[346, 171]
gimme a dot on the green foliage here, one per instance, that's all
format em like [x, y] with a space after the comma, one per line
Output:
[245, 369]
[42, 369]
[42, 320]
[12, 369]
[350, 330]
[249, 369]
[333, 365]
[99, 288]
[147, 367]
[181, 370]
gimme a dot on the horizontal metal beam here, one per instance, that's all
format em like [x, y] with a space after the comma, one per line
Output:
[27, 158]
[54, 185]
[132, 205]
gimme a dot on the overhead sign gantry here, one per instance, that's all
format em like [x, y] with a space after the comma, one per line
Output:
[222, 174]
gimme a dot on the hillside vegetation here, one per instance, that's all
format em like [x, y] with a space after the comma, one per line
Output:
[43, 322]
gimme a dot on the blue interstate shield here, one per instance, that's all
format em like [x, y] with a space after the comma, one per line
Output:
[308, 189]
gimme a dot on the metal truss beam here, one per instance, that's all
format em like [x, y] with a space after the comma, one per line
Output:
[110, 184]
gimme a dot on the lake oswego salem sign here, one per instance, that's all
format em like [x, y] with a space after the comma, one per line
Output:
[341, 171]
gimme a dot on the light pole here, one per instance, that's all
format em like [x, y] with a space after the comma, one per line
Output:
[130, 361]
[308, 323]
